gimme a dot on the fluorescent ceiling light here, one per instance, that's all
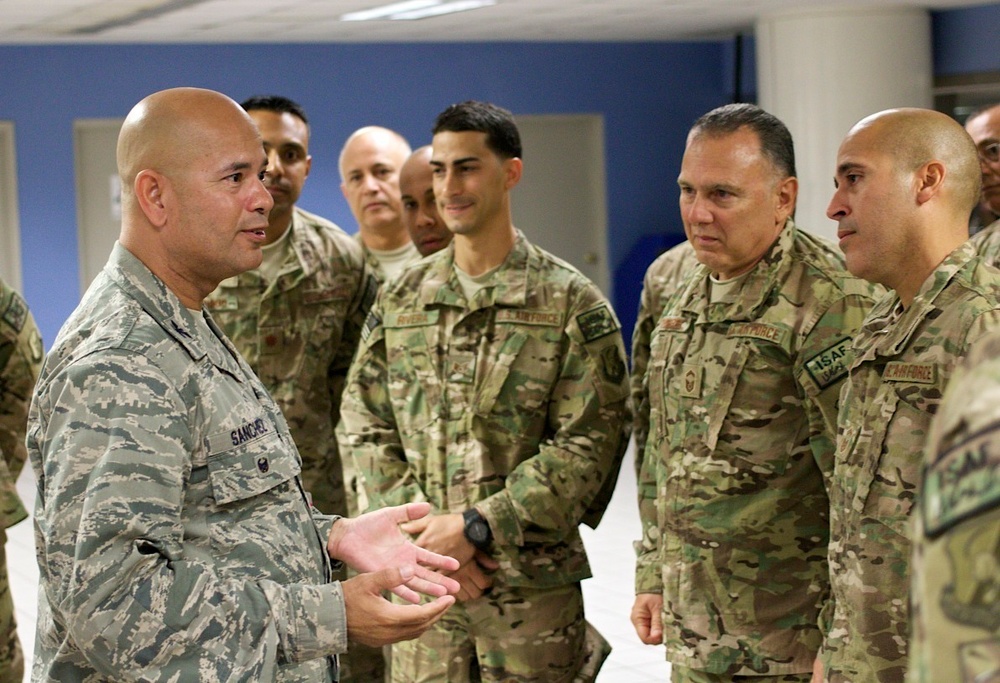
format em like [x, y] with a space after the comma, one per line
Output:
[384, 11]
[415, 9]
[446, 8]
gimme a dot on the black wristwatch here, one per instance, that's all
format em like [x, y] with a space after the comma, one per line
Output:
[477, 529]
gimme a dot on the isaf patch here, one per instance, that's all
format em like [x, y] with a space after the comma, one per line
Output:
[963, 482]
[596, 323]
[831, 364]
[16, 312]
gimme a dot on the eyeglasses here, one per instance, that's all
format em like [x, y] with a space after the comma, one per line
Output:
[989, 152]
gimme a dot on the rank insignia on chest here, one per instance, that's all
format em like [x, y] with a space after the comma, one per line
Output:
[462, 368]
[691, 381]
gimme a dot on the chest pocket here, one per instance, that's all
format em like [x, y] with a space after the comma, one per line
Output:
[661, 404]
[411, 344]
[884, 464]
[752, 404]
[514, 391]
[248, 461]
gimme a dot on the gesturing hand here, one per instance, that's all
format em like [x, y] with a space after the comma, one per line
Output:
[374, 621]
[373, 542]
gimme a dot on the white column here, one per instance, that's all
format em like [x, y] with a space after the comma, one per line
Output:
[820, 71]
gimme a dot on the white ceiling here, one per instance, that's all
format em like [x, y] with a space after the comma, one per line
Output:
[243, 21]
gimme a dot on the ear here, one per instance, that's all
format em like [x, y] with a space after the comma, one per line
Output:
[150, 189]
[512, 172]
[929, 180]
[787, 193]
[343, 191]
[309, 164]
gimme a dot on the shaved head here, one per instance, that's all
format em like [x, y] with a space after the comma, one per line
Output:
[169, 129]
[394, 144]
[913, 137]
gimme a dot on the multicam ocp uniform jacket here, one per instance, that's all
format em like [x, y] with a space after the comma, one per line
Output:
[903, 359]
[299, 334]
[955, 609]
[662, 279]
[743, 396]
[21, 355]
[174, 538]
[514, 402]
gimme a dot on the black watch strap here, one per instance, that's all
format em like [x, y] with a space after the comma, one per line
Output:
[477, 529]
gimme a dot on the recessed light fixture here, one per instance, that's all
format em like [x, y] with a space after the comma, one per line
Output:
[415, 9]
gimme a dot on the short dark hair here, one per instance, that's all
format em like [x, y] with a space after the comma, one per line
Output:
[275, 103]
[502, 136]
[775, 140]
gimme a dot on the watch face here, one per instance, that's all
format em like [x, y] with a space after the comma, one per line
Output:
[478, 531]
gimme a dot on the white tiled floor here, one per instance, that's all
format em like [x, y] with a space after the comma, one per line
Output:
[608, 595]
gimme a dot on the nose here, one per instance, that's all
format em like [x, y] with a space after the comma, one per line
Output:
[837, 209]
[274, 163]
[426, 216]
[261, 200]
[697, 209]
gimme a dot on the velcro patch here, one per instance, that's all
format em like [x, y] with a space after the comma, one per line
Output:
[222, 302]
[674, 324]
[771, 333]
[16, 313]
[315, 296]
[963, 482]
[520, 316]
[920, 373]
[596, 323]
[415, 319]
[831, 364]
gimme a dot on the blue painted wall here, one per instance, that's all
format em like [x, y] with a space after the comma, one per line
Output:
[649, 94]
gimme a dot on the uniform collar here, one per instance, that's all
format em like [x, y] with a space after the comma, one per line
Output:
[163, 306]
[511, 280]
[895, 325]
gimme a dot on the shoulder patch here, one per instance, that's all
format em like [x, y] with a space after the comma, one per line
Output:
[831, 364]
[596, 323]
[16, 312]
[372, 323]
[963, 482]
[612, 365]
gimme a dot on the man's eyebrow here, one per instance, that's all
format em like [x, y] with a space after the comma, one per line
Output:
[849, 166]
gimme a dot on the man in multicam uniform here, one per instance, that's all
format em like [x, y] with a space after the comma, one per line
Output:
[420, 215]
[174, 538]
[369, 180]
[297, 318]
[20, 360]
[984, 128]
[955, 586]
[745, 368]
[492, 383]
[906, 181]
[663, 277]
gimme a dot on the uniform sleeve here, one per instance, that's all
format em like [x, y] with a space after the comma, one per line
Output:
[822, 367]
[570, 478]
[641, 335]
[350, 338]
[20, 361]
[368, 426]
[648, 565]
[110, 443]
